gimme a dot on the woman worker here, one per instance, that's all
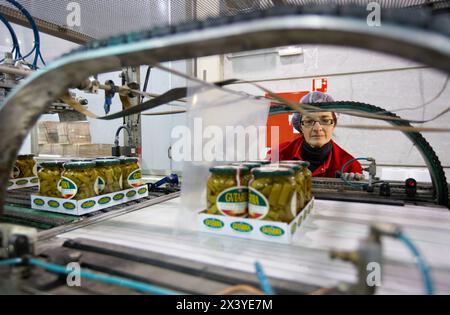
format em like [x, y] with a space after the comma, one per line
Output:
[315, 144]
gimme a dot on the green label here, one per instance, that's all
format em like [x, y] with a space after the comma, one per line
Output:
[68, 206]
[271, 230]
[67, 187]
[34, 180]
[104, 200]
[88, 204]
[99, 185]
[241, 227]
[135, 178]
[131, 193]
[38, 202]
[233, 201]
[258, 205]
[10, 183]
[142, 191]
[15, 172]
[213, 223]
[53, 203]
[22, 182]
[118, 196]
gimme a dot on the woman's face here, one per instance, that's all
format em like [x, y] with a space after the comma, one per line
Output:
[318, 128]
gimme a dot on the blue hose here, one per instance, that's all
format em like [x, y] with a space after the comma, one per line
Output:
[423, 266]
[37, 42]
[136, 285]
[263, 281]
[10, 262]
[16, 47]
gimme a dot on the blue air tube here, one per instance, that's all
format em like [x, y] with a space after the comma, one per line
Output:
[423, 266]
[263, 281]
[140, 286]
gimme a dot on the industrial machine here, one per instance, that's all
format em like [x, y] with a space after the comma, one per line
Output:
[359, 226]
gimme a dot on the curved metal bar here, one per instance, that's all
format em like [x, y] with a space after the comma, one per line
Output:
[25, 104]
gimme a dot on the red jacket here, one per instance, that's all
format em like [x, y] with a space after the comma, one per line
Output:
[291, 150]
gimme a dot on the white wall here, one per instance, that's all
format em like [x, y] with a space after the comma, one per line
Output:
[356, 75]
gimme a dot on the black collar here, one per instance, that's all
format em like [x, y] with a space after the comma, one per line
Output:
[315, 156]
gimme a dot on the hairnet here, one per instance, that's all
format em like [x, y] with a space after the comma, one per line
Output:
[312, 97]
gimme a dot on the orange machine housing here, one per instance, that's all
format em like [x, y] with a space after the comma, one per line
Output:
[286, 130]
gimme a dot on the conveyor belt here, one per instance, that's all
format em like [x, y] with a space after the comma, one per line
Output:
[335, 225]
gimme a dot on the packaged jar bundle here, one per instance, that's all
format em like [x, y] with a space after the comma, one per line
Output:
[272, 194]
[110, 175]
[79, 180]
[300, 184]
[25, 166]
[227, 191]
[131, 172]
[49, 176]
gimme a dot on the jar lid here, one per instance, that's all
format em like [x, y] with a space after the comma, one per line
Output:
[298, 162]
[261, 162]
[305, 163]
[25, 156]
[272, 171]
[295, 167]
[229, 170]
[79, 165]
[107, 162]
[249, 165]
[81, 160]
[128, 159]
[55, 163]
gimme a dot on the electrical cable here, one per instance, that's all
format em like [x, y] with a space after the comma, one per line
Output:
[16, 46]
[37, 42]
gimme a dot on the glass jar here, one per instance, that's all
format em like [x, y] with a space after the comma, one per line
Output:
[250, 166]
[299, 183]
[272, 194]
[79, 180]
[131, 172]
[25, 166]
[227, 191]
[49, 176]
[110, 175]
[308, 180]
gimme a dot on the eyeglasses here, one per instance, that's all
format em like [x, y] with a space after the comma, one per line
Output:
[322, 122]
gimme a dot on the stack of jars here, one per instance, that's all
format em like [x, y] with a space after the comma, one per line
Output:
[24, 167]
[83, 178]
[274, 192]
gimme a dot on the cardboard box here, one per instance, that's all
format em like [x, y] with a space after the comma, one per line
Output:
[94, 150]
[84, 206]
[17, 183]
[278, 232]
